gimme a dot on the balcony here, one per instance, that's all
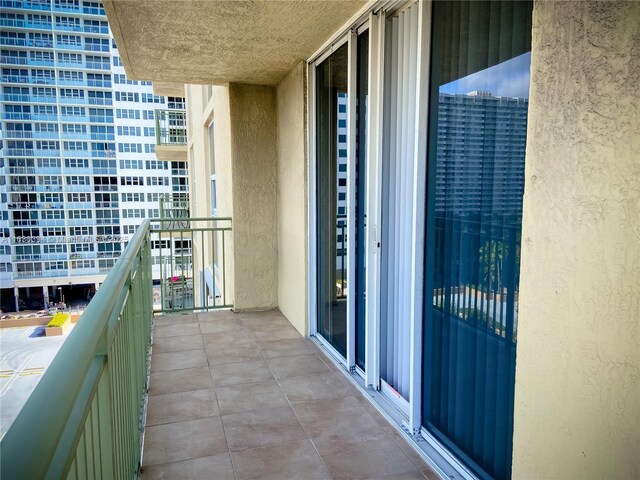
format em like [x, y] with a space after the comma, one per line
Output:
[215, 393]
[171, 134]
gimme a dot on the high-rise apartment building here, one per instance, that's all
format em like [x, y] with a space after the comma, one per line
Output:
[78, 168]
[470, 125]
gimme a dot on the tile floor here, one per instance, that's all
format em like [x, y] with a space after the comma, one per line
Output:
[243, 396]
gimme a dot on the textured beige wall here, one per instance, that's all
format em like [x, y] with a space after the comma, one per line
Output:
[292, 198]
[201, 110]
[577, 396]
[252, 112]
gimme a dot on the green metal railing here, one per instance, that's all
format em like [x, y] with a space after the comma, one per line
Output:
[171, 127]
[85, 417]
[174, 205]
[193, 254]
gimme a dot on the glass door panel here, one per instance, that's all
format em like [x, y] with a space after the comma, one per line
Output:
[361, 190]
[477, 135]
[331, 191]
[401, 58]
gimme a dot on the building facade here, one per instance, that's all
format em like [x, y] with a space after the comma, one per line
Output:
[79, 168]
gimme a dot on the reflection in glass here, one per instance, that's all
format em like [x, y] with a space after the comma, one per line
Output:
[478, 123]
[331, 128]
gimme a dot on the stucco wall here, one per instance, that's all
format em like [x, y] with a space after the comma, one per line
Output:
[577, 396]
[253, 151]
[292, 198]
[201, 110]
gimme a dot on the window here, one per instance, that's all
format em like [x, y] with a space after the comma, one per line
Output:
[151, 98]
[149, 148]
[128, 130]
[75, 146]
[175, 103]
[96, 44]
[473, 236]
[76, 163]
[80, 231]
[71, 93]
[156, 181]
[72, 111]
[124, 113]
[80, 214]
[78, 197]
[132, 197]
[98, 62]
[68, 41]
[127, 96]
[133, 213]
[156, 165]
[131, 181]
[78, 180]
[131, 164]
[130, 147]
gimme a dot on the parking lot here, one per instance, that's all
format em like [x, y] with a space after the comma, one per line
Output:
[25, 354]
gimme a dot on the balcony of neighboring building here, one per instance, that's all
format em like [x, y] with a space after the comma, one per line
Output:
[171, 134]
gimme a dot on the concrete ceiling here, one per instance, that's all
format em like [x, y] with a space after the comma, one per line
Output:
[215, 42]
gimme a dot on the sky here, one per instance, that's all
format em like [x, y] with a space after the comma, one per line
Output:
[506, 79]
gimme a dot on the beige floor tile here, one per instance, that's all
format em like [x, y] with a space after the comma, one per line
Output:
[216, 467]
[313, 387]
[259, 428]
[239, 373]
[251, 396]
[177, 319]
[282, 348]
[181, 406]
[162, 362]
[229, 338]
[357, 458]
[261, 314]
[184, 440]
[400, 476]
[216, 315]
[336, 417]
[180, 381]
[273, 334]
[407, 449]
[177, 344]
[221, 354]
[296, 461]
[161, 331]
[296, 365]
[220, 325]
[324, 356]
[265, 321]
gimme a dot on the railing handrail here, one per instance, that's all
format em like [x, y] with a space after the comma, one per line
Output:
[41, 440]
[195, 219]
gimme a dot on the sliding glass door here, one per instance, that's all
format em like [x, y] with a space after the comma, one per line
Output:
[477, 131]
[341, 135]
[398, 156]
[331, 188]
[362, 101]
